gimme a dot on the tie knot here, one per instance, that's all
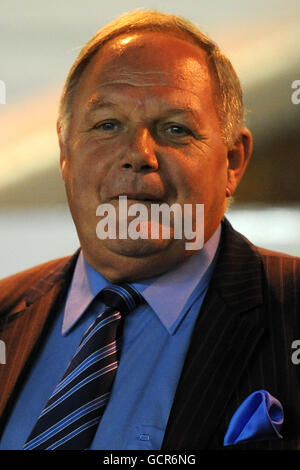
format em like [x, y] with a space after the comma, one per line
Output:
[121, 297]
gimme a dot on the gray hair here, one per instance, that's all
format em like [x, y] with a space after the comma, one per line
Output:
[229, 103]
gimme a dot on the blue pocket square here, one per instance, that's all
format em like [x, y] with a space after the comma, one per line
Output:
[259, 417]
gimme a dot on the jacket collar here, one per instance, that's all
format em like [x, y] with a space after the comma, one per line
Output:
[62, 271]
[238, 272]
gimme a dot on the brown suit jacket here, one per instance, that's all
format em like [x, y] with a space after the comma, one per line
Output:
[241, 341]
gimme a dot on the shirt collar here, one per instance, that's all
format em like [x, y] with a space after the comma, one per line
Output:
[170, 295]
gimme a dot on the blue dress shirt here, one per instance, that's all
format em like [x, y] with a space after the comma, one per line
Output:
[155, 341]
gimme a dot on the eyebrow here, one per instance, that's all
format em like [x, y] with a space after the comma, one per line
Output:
[102, 103]
[95, 103]
[183, 110]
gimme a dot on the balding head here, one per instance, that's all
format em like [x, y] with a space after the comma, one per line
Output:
[227, 87]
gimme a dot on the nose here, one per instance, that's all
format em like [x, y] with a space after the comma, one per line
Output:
[140, 154]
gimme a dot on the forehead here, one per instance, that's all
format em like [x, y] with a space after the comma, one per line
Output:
[147, 59]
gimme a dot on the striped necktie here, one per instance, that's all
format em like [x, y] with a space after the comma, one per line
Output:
[73, 412]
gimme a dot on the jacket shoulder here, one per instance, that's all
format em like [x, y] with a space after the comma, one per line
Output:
[282, 264]
[282, 283]
[277, 254]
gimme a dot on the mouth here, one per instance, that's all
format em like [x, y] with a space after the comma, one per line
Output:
[139, 196]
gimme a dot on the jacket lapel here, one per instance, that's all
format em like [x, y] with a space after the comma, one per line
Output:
[26, 327]
[227, 331]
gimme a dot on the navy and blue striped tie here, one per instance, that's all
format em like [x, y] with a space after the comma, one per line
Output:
[73, 412]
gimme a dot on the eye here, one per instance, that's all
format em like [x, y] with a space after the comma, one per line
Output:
[107, 126]
[176, 130]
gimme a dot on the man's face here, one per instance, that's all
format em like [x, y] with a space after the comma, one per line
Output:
[144, 125]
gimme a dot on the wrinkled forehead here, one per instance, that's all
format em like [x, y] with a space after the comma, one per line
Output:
[148, 59]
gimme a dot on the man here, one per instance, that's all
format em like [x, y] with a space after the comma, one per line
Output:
[152, 110]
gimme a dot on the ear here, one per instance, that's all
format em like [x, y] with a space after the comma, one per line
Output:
[63, 150]
[237, 160]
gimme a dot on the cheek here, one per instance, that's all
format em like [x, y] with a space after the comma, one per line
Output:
[206, 178]
[191, 176]
[89, 164]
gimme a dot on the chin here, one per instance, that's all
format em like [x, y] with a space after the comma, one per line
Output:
[136, 248]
